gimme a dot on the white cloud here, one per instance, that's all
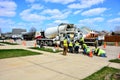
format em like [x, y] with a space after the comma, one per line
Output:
[60, 21]
[27, 15]
[7, 8]
[57, 22]
[93, 12]
[85, 4]
[6, 24]
[37, 7]
[6, 21]
[60, 1]
[37, 13]
[51, 12]
[91, 20]
[77, 12]
[30, 1]
[119, 13]
[56, 14]
[115, 20]
[33, 13]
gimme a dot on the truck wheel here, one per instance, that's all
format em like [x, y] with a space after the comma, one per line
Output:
[42, 42]
[46, 43]
[50, 43]
[61, 44]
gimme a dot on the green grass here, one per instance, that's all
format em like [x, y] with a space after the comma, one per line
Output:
[100, 75]
[112, 43]
[8, 53]
[115, 60]
[9, 43]
[46, 49]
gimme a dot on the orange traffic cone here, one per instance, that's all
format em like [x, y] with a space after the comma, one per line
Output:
[116, 43]
[90, 54]
[24, 43]
[35, 44]
[57, 46]
[119, 56]
[104, 45]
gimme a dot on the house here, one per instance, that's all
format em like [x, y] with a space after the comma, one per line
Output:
[17, 32]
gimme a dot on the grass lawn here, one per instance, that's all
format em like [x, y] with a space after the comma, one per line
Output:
[115, 60]
[100, 75]
[9, 43]
[46, 49]
[8, 53]
[112, 43]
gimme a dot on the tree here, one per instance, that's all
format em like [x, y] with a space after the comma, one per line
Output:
[0, 31]
[117, 28]
[32, 29]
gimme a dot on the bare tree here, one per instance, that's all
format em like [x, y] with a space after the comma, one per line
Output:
[0, 31]
[32, 29]
[117, 28]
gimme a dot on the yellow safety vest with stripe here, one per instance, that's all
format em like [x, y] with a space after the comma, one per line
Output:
[88, 49]
[82, 39]
[76, 44]
[65, 43]
[70, 44]
[101, 52]
[84, 46]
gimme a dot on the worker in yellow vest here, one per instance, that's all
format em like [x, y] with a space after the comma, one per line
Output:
[76, 47]
[81, 42]
[70, 47]
[100, 52]
[65, 46]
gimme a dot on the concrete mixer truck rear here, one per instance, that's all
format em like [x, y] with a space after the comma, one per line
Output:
[55, 35]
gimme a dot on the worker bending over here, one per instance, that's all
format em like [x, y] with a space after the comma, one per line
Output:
[86, 49]
[81, 41]
[100, 52]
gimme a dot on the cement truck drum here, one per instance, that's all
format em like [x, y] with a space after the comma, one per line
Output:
[54, 31]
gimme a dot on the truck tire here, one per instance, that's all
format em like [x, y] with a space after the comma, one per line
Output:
[46, 43]
[42, 42]
[61, 44]
[50, 43]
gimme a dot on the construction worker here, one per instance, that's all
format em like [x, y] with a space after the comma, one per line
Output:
[76, 47]
[65, 46]
[81, 41]
[100, 52]
[70, 47]
[86, 51]
[96, 51]
[84, 46]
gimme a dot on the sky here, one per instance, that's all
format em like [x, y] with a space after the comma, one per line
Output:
[41, 14]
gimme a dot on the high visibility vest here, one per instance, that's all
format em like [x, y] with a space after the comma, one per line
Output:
[70, 44]
[101, 52]
[65, 42]
[96, 50]
[84, 46]
[76, 44]
[88, 50]
[82, 39]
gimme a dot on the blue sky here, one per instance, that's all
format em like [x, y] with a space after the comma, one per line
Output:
[41, 14]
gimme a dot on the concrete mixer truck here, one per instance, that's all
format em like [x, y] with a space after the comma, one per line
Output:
[57, 34]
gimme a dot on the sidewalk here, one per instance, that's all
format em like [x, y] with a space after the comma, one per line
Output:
[51, 66]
